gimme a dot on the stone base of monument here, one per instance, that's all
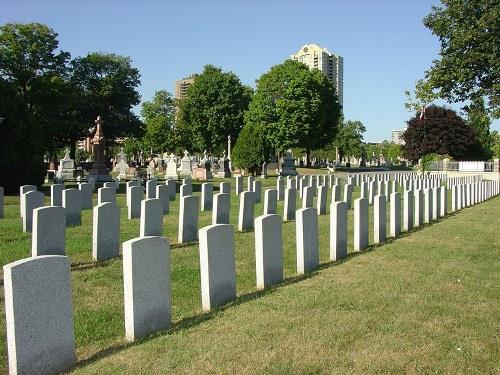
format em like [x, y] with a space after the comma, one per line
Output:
[100, 175]
[288, 172]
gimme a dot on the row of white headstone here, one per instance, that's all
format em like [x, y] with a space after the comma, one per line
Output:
[41, 339]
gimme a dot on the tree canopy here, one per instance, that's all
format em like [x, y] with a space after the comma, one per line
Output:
[107, 86]
[213, 109]
[50, 102]
[249, 152]
[158, 115]
[294, 106]
[349, 139]
[469, 63]
[442, 132]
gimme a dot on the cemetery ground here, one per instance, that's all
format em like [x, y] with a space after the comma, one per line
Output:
[427, 301]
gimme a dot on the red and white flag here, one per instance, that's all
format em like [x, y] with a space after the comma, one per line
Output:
[422, 113]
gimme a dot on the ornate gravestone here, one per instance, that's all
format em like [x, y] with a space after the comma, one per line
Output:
[185, 169]
[171, 167]
[121, 166]
[226, 170]
[99, 171]
[288, 168]
[66, 167]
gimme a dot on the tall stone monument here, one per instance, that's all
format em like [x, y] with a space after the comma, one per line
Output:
[225, 171]
[99, 171]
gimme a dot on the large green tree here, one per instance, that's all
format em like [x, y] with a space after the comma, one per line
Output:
[212, 110]
[442, 132]
[349, 139]
[107, 86]
[295, 107]
[469, 63]
[32, 63]
[249, 152]
[478, 118]
[158, 116]
[36, 97]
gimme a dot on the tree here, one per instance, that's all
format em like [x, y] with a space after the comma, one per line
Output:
[213, 109]
[349, 139]
[107, 85]
[158, 115]
[36, 98]
[479, 120]
[442, 132]
[469, 64]
[495, 144]
[249, 151]
[21, 153]
[294, 106]
[31, 62]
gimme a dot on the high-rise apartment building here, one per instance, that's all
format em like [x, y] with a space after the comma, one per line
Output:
[181, 86]
[397, 136]
[330, 64]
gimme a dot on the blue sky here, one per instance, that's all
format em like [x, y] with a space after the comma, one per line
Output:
[385, 46]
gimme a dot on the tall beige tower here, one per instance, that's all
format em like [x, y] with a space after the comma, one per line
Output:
[182, 85]
[330, 64]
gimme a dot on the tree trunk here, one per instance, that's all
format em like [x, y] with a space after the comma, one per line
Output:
[308, 157]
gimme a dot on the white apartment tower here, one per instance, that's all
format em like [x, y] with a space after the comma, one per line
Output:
[330, 64]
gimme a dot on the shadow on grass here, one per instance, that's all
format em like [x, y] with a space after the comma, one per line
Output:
[195, 320]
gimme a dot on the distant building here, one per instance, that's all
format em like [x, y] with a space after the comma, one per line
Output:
[316, 57]
[397, 136]
[182, 85]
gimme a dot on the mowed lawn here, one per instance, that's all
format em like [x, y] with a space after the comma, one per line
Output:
[426, 302]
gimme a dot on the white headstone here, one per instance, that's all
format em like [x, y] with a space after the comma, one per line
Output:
[56, 194]
[135, 197]
[246, 211]
[151, 223]
[307, 197]
[408, 210]
[171, 188]
[49, 228]
[290, 204]
[338, 230]
[395, 215]
[72, 202]
[185, 190]
[32, 199]
[270, 201]
[321, 203]
[307, 240]
[188, 219]
[268, 250]
[146, 285]
[106, 231]
[220, 213]
[360, 224]
[217, 265]
[151, 189]
[207, 194]
[239, 185]
[39, 315]
[22, 190]
[163, 194]
[106, 194]
[379, 219]
[257, 189]
[86, 190]
[348, 195]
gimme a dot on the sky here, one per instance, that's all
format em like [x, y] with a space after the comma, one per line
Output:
[385, 46]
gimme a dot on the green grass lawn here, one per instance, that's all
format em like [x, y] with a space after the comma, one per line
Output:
[426, 302]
